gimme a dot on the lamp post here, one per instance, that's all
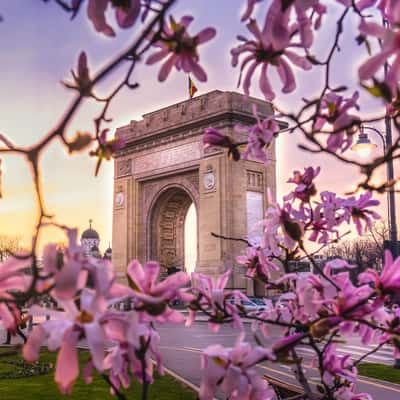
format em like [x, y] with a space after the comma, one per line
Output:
[364, 146]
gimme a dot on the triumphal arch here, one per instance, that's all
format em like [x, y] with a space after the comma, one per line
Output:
[164, 169]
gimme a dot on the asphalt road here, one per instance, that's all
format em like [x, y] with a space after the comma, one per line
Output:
[181, 350]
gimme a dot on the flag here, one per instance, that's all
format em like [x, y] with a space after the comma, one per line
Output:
[192, 88]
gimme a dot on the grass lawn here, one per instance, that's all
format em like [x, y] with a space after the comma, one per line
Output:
[380, 371]
[43, 387]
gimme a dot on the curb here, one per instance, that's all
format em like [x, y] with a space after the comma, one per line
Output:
[183, 380]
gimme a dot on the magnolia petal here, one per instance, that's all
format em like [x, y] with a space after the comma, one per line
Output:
[96, 341]
[166, 68]
[205, 35]
[67, 368]
[31, 348]
[126, 19]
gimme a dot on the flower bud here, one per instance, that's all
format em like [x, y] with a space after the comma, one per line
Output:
[79, 141]
[213, 137]
[323, 326]
[292, 228]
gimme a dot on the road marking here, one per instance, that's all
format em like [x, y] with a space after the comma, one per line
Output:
[181, 378]
[276, 370]
[358, 353]
[215, 335]
[367, 382]
[307, 350]
[394, 389]
[180, 348]
[194, 349]
[385, 349]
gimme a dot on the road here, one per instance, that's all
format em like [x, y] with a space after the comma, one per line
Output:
[181, 350]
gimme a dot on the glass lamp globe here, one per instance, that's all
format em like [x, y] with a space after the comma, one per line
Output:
[363, 146]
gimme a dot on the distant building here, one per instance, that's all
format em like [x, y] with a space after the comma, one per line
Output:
[304, 264]
[90, 241]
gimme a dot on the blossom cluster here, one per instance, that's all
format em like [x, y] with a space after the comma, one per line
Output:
[86, 291]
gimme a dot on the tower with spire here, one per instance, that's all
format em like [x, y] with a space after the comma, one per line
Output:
[90, 241]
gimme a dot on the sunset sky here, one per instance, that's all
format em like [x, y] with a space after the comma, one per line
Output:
[40, 46]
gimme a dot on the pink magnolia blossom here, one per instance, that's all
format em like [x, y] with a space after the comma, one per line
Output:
[278, 17]
[335, 366]
[320, 230]
[258, 266]
[233, 370]
[263, 51]
[153, 297]
[132, 336]
[269, 313]
[280, 229]
[13, 279]
[334, 111]
[360, 4]
[64, 330]
[390, 48]
[215, 300]
[180, 48]
[126, 14]
[331, 209]
[347, 393]
[104, 280]
[390, 10]
[310, 296]
[260, 136]
[249, 9]
[283, 345]
[388, 281]
[359, 211]
[305, 188]
[352, 301]
[213, 137]
[66, 267]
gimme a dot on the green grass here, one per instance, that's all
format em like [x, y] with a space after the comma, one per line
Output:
[43, 387]
[380, 371]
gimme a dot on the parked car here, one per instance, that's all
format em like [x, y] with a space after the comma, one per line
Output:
[253, 304]
[259, 301]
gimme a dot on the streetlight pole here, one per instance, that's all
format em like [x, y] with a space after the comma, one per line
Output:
[387, 143]
[391, 194]
[391, 201]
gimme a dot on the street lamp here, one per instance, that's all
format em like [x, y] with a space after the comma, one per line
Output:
[364, 147]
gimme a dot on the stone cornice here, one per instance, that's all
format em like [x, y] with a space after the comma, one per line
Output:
[189, 119]
[196, 128]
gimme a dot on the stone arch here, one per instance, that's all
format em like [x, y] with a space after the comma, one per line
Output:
[166, 224]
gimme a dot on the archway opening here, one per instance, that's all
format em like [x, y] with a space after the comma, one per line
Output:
[190, 239]
[173, 239]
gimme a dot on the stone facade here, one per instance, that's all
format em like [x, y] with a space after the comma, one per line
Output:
[164, 168]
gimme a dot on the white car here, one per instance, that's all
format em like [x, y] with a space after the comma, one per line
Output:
[249, 305]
